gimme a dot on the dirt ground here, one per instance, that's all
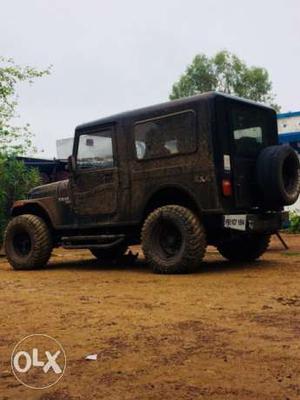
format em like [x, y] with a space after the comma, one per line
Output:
[227, 332]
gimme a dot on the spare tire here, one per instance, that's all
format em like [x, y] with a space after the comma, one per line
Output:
[278, 170]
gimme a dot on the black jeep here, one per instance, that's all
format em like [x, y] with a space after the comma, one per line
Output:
[174, 177]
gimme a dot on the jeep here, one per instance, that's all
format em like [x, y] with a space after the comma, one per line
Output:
[174, 177]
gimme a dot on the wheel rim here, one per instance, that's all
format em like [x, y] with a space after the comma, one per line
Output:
[169, 239]
[22, 243]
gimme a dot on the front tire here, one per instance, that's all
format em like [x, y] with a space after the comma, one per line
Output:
[173, 240]
[248, 247]
[27, 242]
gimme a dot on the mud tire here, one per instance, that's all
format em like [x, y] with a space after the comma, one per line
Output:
[278, 175]
[191, 240]
[27, 242]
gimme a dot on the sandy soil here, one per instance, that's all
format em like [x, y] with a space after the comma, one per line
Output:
[227, 332]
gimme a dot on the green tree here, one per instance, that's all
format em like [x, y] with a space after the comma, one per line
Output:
[225, 72]
[15, 182]
[15, 178]
[14, 139]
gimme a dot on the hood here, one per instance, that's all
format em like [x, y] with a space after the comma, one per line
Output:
[54, 189]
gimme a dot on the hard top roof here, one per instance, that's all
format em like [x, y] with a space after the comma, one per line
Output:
[166, 106]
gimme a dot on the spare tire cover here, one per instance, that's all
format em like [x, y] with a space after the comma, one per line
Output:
[278, 169]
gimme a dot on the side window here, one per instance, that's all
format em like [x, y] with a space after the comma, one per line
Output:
[95, 150]
[166, 135]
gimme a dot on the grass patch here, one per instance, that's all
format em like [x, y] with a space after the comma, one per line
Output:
[292, 253]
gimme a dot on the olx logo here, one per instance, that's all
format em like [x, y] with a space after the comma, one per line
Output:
[34, 361]
[38, 361]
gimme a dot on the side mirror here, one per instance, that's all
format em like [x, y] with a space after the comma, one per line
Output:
[72, 164]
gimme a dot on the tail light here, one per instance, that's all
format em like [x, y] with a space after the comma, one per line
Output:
[226, 187]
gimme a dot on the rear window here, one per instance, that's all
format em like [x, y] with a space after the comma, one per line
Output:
[165, 136]
[249, 125]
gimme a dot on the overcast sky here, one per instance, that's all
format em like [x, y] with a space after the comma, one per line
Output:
[111, 56]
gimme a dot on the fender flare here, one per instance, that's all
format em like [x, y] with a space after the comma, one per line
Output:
[35, 207]
[183, 192]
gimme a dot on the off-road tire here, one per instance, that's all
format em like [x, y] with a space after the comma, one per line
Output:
[278, 170]
[244, 247]
[110, 254]
[191, 231]
[38, 236]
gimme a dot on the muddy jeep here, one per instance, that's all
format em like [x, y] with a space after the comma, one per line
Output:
[174, 177]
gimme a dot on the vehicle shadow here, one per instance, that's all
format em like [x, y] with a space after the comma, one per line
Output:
[140, 266]
[212, 267]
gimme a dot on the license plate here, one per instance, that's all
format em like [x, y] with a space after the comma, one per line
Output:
[237, 222]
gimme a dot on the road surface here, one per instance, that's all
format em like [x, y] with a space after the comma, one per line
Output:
[227, 332]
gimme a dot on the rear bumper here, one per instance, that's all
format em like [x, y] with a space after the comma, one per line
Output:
[268, 222]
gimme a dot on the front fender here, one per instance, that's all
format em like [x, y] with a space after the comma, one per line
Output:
[44, 207]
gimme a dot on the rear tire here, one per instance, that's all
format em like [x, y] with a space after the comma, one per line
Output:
[110, 254]
[173, 240]
[278, 169]
[244, 247]
[27, 242]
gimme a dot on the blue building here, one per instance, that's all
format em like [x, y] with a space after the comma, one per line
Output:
[289, 132]
[289, 129]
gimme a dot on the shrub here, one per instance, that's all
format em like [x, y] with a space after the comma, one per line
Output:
[15, 182]
[294, 222]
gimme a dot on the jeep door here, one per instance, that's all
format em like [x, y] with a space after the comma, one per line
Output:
[95, 183]
[252, 129]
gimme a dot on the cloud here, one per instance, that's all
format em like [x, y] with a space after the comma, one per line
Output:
[110, 56]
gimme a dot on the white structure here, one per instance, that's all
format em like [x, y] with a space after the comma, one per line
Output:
[289, 132]
[289, 123]
[64, 148]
